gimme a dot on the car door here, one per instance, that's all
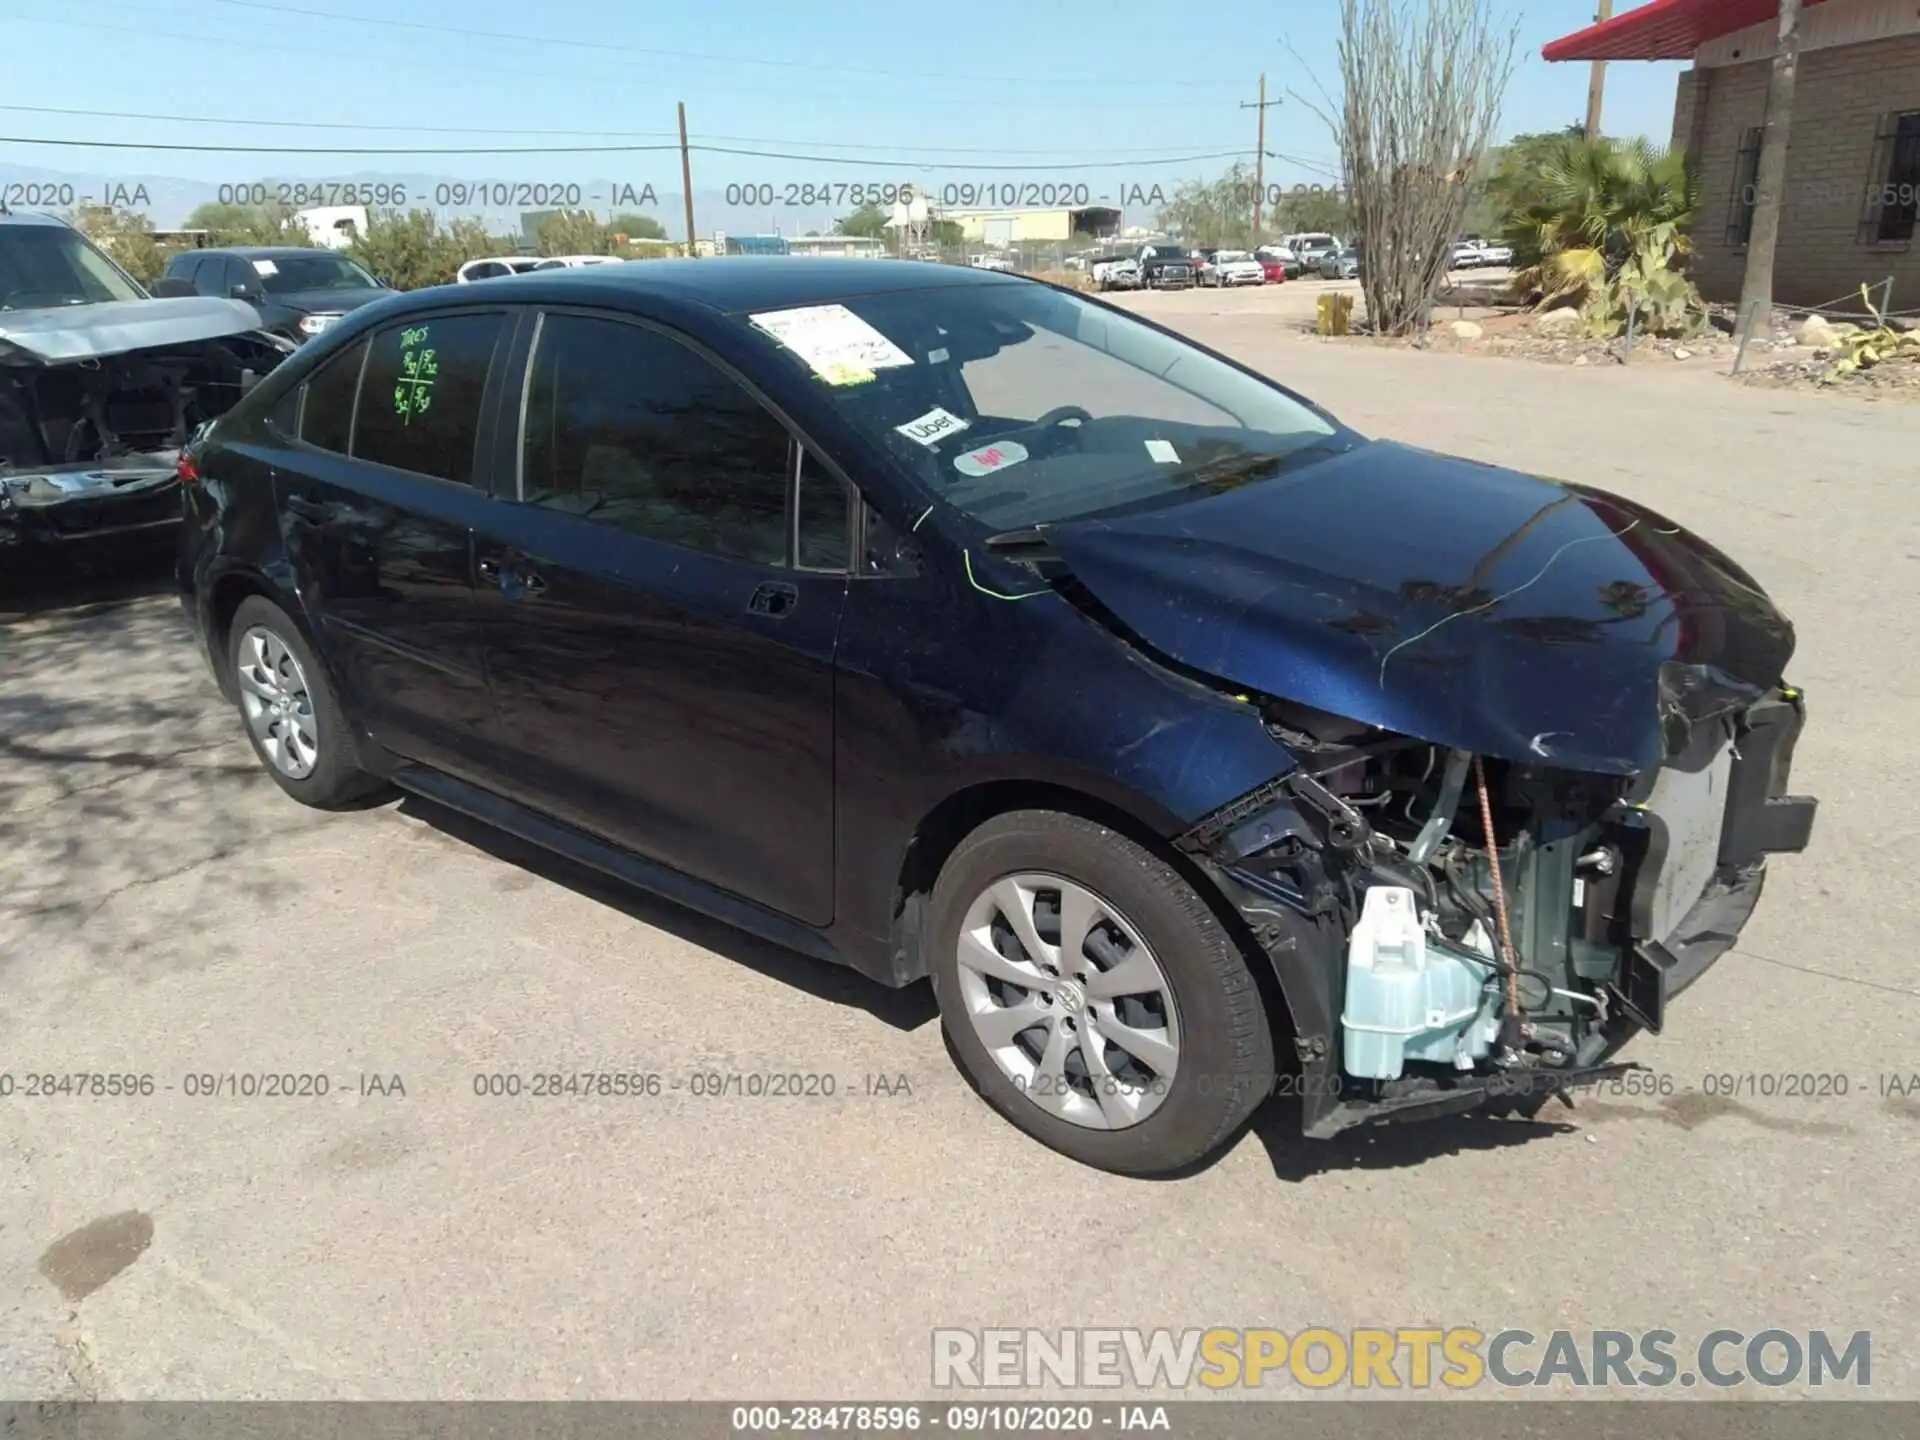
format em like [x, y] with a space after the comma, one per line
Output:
[665, 603]
[378, 503]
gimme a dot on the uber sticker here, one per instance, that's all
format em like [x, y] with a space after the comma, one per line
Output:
[989, 458]
[933, 427]
[1161, 453]
[266, 268]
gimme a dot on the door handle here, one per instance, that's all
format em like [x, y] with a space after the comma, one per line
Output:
[515, 583]
[775, 598]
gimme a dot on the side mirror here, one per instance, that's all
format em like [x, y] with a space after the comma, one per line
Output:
[244, 291]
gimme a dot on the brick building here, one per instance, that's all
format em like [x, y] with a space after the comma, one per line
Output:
[1853, 158]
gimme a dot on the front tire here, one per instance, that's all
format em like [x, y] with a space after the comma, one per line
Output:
[292, 719]
[1092, 997]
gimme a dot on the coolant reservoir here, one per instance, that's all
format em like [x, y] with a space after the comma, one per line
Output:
[1407, 1000]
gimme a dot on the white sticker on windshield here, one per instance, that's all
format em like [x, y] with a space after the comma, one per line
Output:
[266, 267]
[933, 427]
[989, 458]
[1161, 453]
[936, 357]
[841, 348]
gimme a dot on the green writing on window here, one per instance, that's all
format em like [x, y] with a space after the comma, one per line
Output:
[419, 366]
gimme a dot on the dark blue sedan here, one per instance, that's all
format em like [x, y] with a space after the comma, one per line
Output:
[952, 626]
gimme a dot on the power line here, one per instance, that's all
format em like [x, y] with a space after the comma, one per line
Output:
[604, 47]
[923, 165]
[519, 72]
[915, 164]
[497, 130]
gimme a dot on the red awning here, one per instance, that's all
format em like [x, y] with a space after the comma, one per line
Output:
[1663, 30]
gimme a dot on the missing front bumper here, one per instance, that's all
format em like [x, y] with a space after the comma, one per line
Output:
[1299, 916]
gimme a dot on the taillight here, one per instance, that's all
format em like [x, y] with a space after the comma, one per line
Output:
[188, 472]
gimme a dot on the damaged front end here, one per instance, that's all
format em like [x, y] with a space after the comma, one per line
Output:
[96, 402]
[1455, 931]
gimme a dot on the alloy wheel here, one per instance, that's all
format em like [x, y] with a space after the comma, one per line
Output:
[277, 703]
[1069, 1000]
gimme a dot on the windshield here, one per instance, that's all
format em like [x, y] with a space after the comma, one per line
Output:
[1170, 252]
[1026, 405]
[286, 274]
[48, 265]
[1232, 255]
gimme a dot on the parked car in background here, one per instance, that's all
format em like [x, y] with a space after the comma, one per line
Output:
[1233, 267]
[1465, 255]
[1341, 264]
[1493, 252]
[498, 267]
[1273, 268]
[1116, 270]
[100, 386]
[992, 262]
[1311, 247]
[953, 626]
[1201, 257]
[299, 291]
[494, 267]
[1165, 265]
[1293, 266]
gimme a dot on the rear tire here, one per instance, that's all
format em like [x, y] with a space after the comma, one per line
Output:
[1148, 1044]
[288, 708]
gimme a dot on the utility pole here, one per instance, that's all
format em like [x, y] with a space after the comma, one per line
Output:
[686, 179]
[1259, 154]
[1597, 81]
[1770, 181]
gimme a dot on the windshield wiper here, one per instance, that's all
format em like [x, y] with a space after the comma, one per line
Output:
[1028, 538]
[1233, 471]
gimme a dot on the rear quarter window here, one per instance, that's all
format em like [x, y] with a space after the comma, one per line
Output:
[326, 419]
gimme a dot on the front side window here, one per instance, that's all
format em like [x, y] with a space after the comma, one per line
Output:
[631, 429]
[211, 277]
[419, 404]
[822, 518]
[46, 266]
[1023, 405]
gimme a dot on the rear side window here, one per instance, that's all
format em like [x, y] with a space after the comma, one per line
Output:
[420, 404]
[326, 420]
[633, 430]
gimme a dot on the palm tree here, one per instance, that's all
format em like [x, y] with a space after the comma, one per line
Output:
[1600, 223]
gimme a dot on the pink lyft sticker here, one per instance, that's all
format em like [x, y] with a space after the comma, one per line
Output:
[989, 458]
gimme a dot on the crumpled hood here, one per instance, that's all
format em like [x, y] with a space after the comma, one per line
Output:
[1461, 603]
[62, 333]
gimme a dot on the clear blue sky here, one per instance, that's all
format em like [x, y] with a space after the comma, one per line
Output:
[970, 88]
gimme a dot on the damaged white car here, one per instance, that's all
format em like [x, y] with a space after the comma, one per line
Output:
[100, 387]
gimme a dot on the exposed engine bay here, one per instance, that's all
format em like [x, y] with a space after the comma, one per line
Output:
[1457, 931]
[88, 446]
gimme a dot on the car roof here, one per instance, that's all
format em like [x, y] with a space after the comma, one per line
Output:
[731, 285]
[261, 252]
[31, 217]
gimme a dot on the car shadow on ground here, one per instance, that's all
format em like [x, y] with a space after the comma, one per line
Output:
[38, 586]
[904, 1009]
[1295, 1158]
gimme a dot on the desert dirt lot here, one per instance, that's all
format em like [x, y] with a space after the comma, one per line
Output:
[165, 911]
